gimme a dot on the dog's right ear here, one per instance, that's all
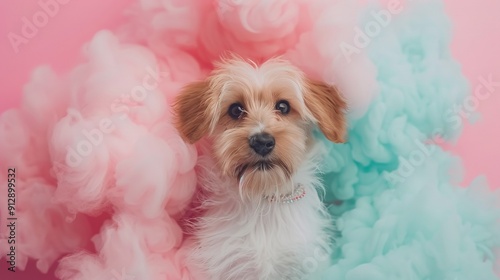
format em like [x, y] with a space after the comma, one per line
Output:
[192, 111]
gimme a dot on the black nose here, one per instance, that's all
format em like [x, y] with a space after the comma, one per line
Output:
[261, 143]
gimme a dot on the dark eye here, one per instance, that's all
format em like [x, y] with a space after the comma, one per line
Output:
[235, 111]
[283, 106]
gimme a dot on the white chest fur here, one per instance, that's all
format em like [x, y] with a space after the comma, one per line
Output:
[265, 240]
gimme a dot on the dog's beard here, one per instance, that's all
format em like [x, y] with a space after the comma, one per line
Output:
[263, 178]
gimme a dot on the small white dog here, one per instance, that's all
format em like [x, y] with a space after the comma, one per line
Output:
[261, 213]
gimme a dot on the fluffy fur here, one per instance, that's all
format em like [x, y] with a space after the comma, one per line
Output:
[241, 234]
[141, 176]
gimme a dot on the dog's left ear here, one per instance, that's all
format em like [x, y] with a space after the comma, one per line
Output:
[328, 107]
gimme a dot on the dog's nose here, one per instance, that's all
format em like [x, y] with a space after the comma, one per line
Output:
[261, 143]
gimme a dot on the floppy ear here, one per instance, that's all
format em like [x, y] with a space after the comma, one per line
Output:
[192, 111]
[328, 108]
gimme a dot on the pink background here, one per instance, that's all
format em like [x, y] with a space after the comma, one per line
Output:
[476, 44]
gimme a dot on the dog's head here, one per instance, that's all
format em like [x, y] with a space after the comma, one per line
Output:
[259, 118]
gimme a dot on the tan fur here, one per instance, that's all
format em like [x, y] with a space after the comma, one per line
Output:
[201, 109]
[328, 107]
[193, 113]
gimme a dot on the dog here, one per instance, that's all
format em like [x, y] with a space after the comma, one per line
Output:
[262, 216]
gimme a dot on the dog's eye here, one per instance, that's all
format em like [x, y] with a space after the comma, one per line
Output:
[283, 106]
[235, 111]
